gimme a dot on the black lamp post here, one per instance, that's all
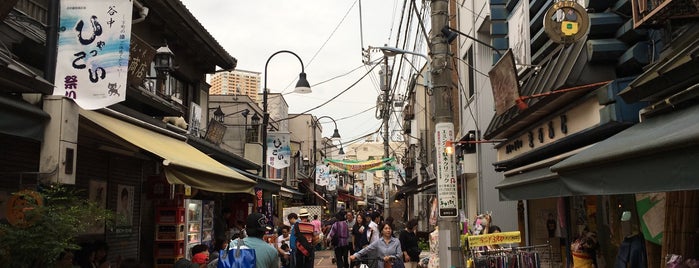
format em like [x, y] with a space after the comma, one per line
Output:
[302, 86]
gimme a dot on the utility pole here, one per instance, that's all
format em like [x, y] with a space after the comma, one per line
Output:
[447, 194]
[385, 114]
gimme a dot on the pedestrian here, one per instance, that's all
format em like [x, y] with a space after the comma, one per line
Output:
[339, 232]
[408, 243]
[221, 228]
[373, 233]
[292, 217]
[255, 228]
[219, 244]
[200, 257]
[350, 225]
[304, 256]
[359, 236]
[200, 254]
[282, 240]
[317, 232]
[387, 248]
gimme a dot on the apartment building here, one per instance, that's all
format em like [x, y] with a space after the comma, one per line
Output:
[237, 82]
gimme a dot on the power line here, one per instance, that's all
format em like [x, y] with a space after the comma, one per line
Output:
[333, 98]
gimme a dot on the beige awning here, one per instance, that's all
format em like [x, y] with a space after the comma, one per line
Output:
[183, 164]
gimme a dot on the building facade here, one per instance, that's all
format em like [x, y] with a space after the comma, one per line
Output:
[236, 82]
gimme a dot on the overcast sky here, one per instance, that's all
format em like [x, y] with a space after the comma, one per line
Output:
[327, 37]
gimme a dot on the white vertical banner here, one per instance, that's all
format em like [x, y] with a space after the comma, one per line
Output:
[332, 182]
[322, 175]
[93, 51]
[278, 149]
[446, 174]
[358, 189]
[369, 183]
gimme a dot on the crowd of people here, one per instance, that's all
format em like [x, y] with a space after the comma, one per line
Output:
[354, 237]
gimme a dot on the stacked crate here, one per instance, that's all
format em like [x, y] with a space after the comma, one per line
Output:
[169, 235]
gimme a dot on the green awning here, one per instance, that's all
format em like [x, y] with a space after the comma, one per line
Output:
[533, 184]
[657, 155]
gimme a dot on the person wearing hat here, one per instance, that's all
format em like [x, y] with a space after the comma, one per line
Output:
[302, 260]
[255, 227]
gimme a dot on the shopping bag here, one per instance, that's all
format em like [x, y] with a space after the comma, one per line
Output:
[398, 263]
[240, 256]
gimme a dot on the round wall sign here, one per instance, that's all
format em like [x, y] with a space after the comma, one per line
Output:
[19, 204]
[566, 22]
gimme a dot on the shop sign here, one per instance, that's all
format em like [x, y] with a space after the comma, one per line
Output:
[446, 173]
[494, 239]
[566, 22]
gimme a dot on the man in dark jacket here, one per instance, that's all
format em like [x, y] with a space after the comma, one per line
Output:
[304, 254]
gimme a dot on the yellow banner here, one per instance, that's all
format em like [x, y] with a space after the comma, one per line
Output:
[494, 239]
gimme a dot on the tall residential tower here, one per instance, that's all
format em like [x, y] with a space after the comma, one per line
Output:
[236, 82]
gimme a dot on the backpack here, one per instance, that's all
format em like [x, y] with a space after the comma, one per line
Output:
[306, 230]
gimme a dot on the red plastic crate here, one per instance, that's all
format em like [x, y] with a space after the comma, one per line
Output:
[169, 215]
[169, 232]
[169, 249]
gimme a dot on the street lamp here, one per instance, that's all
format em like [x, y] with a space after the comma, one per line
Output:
[336, 135]
[302, 86]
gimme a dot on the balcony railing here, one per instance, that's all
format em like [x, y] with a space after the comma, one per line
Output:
[647, 12]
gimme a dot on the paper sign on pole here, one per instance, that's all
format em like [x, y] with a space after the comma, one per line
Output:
[446, 174]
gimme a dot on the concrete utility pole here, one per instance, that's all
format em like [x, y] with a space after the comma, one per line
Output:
[386, 115]
[447, 194]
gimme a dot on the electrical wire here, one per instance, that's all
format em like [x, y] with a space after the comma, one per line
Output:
[333, 98]
[324, 43]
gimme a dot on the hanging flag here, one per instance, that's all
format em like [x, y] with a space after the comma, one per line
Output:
[360, 166]
[278, 150]
[93, 51]
[322, 175]
[332, 183]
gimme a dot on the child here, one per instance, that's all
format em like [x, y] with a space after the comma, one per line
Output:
[287, 255]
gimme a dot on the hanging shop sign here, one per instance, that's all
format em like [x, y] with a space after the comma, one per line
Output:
[566, 22]
[494, 239]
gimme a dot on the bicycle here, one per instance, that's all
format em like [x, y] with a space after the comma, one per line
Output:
[371, 262]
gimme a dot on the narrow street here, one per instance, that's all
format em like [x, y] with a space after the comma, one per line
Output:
[324, 259]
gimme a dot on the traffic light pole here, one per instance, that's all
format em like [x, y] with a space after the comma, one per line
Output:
[447, 193]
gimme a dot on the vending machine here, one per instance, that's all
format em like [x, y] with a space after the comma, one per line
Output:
[199, 224]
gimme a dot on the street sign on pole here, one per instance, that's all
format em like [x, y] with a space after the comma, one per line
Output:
[446, 174]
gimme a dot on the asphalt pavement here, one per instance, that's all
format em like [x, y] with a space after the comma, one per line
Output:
[324, 259]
